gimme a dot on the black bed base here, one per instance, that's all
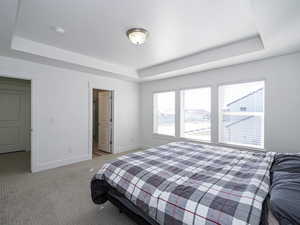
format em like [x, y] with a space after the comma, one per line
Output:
[138, 217]
[101, 191]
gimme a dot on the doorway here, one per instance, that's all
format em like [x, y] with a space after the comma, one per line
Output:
[15, 121]
[102, 122]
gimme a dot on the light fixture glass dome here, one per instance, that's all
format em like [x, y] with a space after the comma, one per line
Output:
[137, 36]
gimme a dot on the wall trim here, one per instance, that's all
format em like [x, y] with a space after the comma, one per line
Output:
[145, 147]
[129, 148]
[59, 163]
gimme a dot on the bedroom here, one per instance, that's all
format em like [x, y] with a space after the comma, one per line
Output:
[240, 58]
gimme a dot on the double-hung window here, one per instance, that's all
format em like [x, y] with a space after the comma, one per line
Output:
[241, 114]
[164, 113]
[195, 114]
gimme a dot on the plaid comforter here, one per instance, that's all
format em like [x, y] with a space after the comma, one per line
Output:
[188, 183]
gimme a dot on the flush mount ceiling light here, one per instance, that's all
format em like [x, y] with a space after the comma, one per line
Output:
[137, 36]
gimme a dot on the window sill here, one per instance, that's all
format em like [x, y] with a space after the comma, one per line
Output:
[221, 144]
[241, 147]
[174, 138]
[195, 140]
[165, 136]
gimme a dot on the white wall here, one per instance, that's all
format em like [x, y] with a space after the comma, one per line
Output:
[62, 104]
[62, 111]
[282, 75]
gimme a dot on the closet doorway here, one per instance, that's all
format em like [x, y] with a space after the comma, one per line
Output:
[102, 122]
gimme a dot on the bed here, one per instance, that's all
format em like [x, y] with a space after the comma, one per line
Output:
[187, 183]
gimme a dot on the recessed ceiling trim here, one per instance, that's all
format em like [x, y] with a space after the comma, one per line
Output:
[35, 48]
[235, 60]
[236, 48]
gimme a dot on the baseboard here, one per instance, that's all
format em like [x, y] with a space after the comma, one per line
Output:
[144, 147]
[59, 163]
[128, 148]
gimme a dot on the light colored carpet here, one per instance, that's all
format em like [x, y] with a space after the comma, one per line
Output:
[58, 196]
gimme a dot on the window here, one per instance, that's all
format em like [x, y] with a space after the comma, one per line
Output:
[164, 113]
[195, 114]
[241, 114]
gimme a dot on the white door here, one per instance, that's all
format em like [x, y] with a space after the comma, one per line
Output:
[105, 121]
[12, 120]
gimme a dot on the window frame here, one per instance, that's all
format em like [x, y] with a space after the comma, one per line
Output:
[263, 115]
[153, 108]
[181, 114]
[215, 115]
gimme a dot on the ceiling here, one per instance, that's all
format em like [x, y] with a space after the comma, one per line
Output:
[97, 28]
[185, 36]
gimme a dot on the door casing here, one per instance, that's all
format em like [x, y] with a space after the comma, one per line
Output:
[93, 86]
[33, 124]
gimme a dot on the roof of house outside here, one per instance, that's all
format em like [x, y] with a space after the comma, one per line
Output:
[241, 98]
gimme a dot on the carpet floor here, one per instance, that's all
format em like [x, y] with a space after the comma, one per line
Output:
[58, 196]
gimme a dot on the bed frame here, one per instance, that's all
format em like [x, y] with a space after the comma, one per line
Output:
[103, 192]
[124, 205]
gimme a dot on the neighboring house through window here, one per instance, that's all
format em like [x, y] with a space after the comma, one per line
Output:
[242, 114]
